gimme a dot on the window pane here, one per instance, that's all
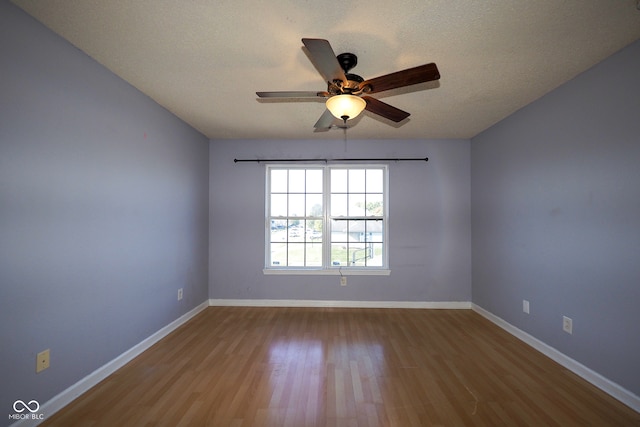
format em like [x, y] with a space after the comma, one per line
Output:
[358, 256]
[338, 180]
[296, 180]
[314, 254]
[314, 181]
[355, 229]
[356, 205]
[278, 224]
[296, 254]
[296, 204]
[356, 180]
[278, 205]
[339, 255]
[338, 205]
[295, 232]
[375, 205]
[375, 181]
[314, 205]
[375, 231]
[278, 181]
[279, 254]
[278, 235]
[339, 231]
[377, 255]
[314, 231]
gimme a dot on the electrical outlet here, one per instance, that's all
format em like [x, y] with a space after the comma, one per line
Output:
[525, 306]
[179, 294]
[567, 324]
[343, 280]
[42, 361]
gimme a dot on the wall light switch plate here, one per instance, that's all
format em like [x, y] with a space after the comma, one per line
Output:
[525, 306]
[179, 294]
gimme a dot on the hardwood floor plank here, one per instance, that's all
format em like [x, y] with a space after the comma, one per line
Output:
[243, 366]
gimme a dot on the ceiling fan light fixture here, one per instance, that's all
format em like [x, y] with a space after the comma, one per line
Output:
[345, 106]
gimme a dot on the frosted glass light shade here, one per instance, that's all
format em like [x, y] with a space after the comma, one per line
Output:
[346, 106]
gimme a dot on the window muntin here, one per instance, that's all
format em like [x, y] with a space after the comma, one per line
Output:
[326, 217]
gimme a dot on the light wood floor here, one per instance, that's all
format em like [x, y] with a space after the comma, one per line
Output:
[234, 366]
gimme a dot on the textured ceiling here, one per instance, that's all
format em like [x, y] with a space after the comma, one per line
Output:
[204, 60]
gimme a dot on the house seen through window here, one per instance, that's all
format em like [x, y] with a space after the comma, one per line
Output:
[326, 217]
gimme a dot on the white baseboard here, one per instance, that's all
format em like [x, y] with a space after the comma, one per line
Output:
[604, 384]
[338, 304]
[67, 396]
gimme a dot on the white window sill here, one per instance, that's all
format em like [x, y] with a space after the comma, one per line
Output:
[331, 272]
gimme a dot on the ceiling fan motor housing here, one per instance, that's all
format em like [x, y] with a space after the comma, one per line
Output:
[347, 61]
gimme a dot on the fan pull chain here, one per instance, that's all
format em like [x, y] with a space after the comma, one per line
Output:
[345, 135]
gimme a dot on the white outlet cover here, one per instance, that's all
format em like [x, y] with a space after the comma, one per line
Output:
[43, 360]
[567, 324]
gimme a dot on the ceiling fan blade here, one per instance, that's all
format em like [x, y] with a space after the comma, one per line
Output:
[325, 121]
[325, 59]
[293, 94]
[385, 110]
[408, 77]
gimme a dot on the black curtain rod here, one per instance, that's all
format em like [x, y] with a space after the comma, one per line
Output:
[406, 159]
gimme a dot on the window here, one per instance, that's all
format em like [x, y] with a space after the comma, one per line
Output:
[326, 218]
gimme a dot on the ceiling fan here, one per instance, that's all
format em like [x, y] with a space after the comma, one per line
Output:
[347, 94]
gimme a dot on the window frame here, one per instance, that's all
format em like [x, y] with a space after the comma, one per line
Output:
[327, 268]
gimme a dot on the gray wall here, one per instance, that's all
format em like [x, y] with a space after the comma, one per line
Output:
[103, 213]
[105, 201]
[429, 222]
[556, 218]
